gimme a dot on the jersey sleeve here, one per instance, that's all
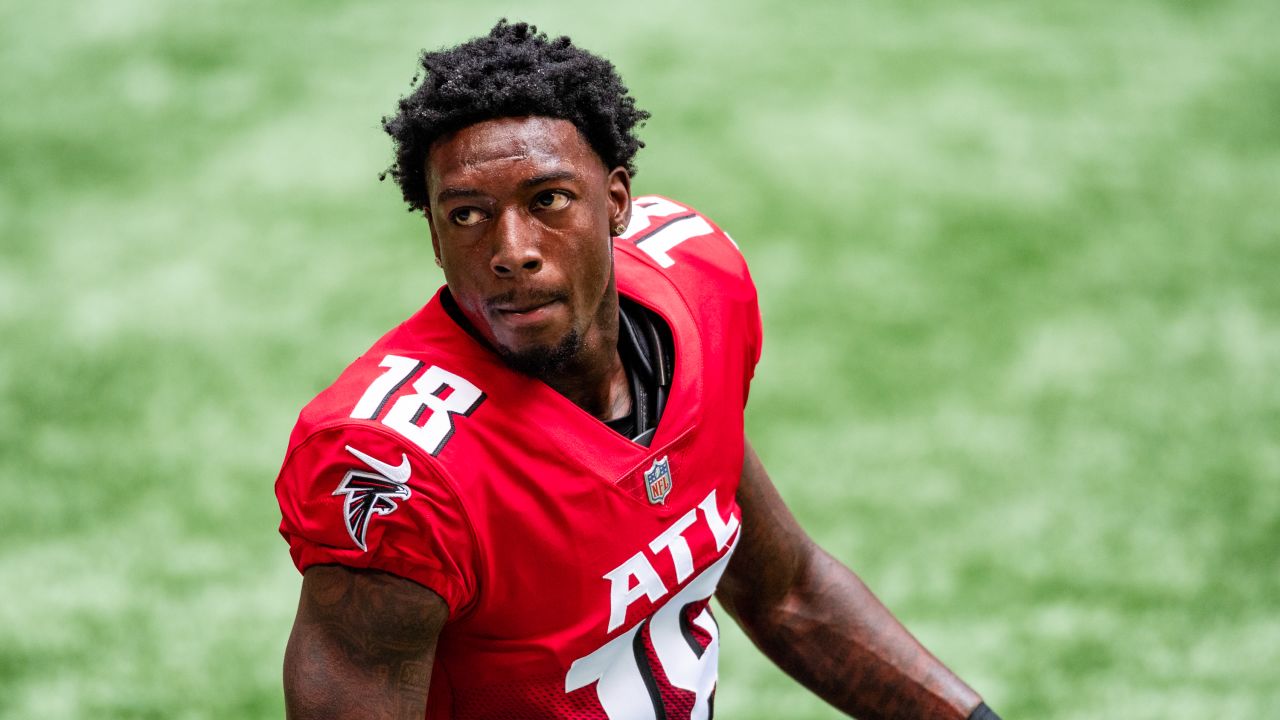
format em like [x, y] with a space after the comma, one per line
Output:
[356, 496]
[755, 339]
[737, 290]
[721, 260]
[747, 309]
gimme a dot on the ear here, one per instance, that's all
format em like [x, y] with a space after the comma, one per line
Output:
[619, 198]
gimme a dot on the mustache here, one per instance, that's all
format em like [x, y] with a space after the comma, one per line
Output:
[524, 298]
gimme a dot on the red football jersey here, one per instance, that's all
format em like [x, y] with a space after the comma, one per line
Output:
[577, 565]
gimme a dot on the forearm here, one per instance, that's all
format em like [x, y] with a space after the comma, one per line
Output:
[831, 634]
[817, 621]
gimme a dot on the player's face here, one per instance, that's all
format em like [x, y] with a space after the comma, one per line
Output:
[520, 215]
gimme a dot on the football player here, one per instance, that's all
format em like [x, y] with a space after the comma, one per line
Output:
[520, 501]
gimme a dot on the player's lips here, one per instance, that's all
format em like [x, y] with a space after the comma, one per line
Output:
[527, 311]
[521, 309]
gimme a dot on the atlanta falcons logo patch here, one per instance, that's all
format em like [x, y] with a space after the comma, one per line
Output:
[372, 493]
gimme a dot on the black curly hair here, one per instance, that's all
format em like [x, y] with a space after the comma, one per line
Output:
[514, 71]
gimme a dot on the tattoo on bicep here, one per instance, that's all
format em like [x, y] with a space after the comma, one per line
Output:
[382, 628]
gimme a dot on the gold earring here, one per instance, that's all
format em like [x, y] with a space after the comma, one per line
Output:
[619, 229]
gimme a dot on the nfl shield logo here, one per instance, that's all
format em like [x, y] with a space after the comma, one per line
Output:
[657, 481]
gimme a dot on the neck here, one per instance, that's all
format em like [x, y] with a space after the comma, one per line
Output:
[599, 387]
[595, 379]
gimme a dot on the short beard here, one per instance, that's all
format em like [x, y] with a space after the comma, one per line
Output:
[544, 362]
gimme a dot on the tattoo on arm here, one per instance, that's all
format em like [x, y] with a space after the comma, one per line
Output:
[820, 624]
[362, 646]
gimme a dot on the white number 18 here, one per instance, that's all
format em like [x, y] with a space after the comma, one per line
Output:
[438, 391]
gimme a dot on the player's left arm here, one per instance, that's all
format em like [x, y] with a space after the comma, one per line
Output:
[816, 620]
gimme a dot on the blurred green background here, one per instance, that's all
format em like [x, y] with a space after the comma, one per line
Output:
[1020, 270]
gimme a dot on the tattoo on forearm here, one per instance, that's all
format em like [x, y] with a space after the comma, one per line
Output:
[818, 622]
[865, 663]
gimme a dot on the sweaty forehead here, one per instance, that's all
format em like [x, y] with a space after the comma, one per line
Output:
[496, 146]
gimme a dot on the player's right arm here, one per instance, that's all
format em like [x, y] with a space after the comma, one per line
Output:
[362, 646]
[387, 555]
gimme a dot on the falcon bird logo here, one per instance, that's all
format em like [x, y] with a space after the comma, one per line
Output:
[372, 493]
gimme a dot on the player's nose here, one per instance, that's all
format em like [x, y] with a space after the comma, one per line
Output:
[516, 248]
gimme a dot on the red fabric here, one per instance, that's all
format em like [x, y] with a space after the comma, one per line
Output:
[520, 514]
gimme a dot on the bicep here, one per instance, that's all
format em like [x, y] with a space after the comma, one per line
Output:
[362, 645]
[773, 551]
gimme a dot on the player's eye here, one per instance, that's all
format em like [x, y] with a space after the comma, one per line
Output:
[551, 200]
[467, 216]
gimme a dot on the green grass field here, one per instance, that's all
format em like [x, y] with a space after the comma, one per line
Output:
[1019, 263]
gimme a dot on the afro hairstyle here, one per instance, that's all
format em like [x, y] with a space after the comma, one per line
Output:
[514, 71]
